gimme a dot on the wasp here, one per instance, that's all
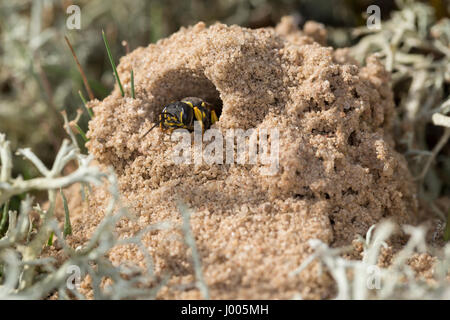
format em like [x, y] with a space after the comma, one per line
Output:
[182, 114]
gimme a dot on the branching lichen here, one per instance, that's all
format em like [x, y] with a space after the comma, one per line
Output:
[415, 48]
[190, 241]
[26, 275]
[364, 279]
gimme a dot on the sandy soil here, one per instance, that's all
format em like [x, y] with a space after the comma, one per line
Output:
[338, 170]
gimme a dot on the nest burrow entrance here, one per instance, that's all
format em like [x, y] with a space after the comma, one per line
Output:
[178, 84]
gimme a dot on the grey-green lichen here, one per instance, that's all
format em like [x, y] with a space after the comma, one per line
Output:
[365, 279]
[25, 274]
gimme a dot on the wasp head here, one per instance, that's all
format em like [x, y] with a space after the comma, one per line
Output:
[175, 115]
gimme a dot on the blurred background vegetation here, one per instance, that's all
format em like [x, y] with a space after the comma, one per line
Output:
[39, 79]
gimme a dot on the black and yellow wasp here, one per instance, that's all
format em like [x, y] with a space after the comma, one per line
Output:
[182, 114]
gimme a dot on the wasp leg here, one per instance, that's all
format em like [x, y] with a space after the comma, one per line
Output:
[214, 117]
[199, 116]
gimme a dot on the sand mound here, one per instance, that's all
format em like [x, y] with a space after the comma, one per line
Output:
[338, 170]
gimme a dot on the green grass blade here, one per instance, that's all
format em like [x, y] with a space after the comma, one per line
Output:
[67, 225]
[50, 239]
[132, 84]
[112, 63]
[4, 218]
[81, 132]
[447, 228]
[89, 110]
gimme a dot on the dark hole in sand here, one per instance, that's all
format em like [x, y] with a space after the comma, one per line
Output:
[178, 84]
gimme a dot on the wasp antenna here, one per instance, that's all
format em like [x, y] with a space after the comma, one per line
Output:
[155, 125]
